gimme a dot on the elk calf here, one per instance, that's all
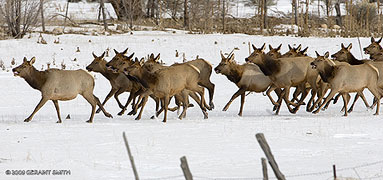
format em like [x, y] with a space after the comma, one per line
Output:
[55, 85]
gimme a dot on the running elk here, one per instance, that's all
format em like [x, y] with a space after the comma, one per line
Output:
[55, 85]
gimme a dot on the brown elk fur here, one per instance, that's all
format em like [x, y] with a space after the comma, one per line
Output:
[55, 85]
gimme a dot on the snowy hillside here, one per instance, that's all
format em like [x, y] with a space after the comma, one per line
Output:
[221, 147]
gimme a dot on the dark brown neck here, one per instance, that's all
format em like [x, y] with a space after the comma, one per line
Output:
[36, 79]
[327, 73]
[235, 73]
[352, 60]
[269, 66]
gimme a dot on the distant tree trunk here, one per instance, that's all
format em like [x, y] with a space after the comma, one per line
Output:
[296, 11]
[338, 14]
[223, 15]
[103, 14]
[186, 15]
[265, 14]
[42, 14]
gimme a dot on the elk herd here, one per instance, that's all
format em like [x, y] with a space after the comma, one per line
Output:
[271, 72]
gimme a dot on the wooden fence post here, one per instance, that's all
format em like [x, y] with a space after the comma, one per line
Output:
[266, 149]
[264, 169]
[185, 169]
[130, 156]
[334, 171]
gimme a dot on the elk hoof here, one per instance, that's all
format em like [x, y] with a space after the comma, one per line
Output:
[27, 120]
[120, 113]
[164, 121]
[240, 114]
[376, 114]
[108, 115]
[350, 110]
[211, 106]
[98, 110]
[316, 111]
[153, 117]
[89, 121]
[137, 118]
[58, 121]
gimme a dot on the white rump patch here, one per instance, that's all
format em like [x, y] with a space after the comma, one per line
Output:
[195, 68]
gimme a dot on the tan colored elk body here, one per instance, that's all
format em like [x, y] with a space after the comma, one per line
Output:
[55, 85]
[346, 78]
[167, 82]
[119, 82]
[247, 77]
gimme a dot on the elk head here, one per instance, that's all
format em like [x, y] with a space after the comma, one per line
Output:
[275, 52]
[343, 54]
[257, 55]
[25, 68]
[224, 66]
[120, 61]
[374, 47]
[320, 62]
[98, 63]
[293, 52]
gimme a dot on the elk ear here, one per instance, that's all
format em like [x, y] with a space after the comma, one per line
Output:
[126, 50]
[304, 51]
[142, 61]
[327, 54]
[342, 46]
[94, 55]
[290, 48]
[151, 56]
[372, 39]
[223, 57]
[136, 59]
[349, 47]
[263, 47]
[157, 57]
[115, 51]
[25, 60]
[316, 52]
[299, 47]
[131, 56]
[32, 61]
[279, 47]
[231, 58]
[380, 40]
[254, 48]
[270, 47]
[102, 55]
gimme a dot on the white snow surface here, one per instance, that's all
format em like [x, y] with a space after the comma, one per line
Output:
[223, 146]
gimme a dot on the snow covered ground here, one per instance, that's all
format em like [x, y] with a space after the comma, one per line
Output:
[221, 147]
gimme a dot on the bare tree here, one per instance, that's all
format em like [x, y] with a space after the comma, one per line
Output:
[19, 15]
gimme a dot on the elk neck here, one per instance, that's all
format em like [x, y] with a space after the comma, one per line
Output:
[327, 73]
[235, 73]
[269, 66]
[352, 60]
[36, 79]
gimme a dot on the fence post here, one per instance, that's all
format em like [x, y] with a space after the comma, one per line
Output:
[264, 169]
[266, 149]
[334, 171]
[185, 169]
[130, 156]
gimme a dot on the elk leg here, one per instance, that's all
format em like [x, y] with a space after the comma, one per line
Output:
[130, 98]
[272, 88]
[353, 103]
[243, 95]
[56, 103]
[311, 101]
[278, 92]
[110, 94]
[236, 94]
[377, 96]
[165, 106]
[185, 104]
[37, 108]
[93, 103]
[300, 102]
[278, 108]
[120, 91]
[210, 87]
[346, 98]
[328, 98]
[200, 91]
[144, 100]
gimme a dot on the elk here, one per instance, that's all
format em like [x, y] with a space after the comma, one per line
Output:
[285, 73]
[346, 78]
[55, 85]
[118, 81]
[167, 82]
[120, 60]
[247, 77]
